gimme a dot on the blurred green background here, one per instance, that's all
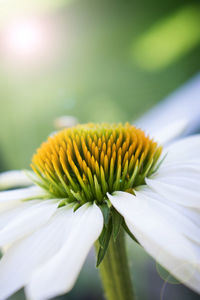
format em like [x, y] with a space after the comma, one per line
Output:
[98, 61]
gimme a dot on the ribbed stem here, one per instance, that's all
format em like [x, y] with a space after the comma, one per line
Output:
[114, 271]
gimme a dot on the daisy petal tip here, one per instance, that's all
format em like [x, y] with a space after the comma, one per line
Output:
[14, 178]
[115, 194]
[117, 198]
[111, 196]
[172, 131]
[33, 292]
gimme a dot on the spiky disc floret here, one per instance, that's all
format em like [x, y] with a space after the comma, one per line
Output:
[85, 162]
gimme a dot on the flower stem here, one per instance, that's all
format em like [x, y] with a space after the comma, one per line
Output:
[114, 271]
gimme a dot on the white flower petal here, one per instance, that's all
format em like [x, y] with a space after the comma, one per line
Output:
[20, 194]
[170, 131]
[14, 212]
[187, 149]
[9, 199]
[177, 179]
[187, 195]
[148, 201]
[188, 169]
[30, 219]
[14, 178]
[188, 183]
[23, 257]
[160, 234]
[184, 268]
[191, 213]
[59, 274]
[181, 217]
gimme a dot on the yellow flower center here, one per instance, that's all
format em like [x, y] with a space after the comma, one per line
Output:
[85, 162]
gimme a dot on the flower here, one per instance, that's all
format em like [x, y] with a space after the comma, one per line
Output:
[47, 229]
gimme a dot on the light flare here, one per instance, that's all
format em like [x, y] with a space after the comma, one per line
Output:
[24, 38]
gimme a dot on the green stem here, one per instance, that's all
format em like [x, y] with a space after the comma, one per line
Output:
[114, 271]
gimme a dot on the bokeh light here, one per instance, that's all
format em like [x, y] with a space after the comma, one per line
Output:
[26, 39]
[168, 39]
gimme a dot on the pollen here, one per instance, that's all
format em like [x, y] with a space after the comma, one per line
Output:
[85, 162]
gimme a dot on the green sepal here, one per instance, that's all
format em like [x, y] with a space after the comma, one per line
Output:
[128, 232]
[77, 206]
[62, 203]
[106, 213]
[77, 196]
[105, 234]
[104, 242]
[116, 221]
[158, 165]
[102, 237]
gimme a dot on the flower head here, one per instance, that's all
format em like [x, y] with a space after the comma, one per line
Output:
[85, 176]
[85, 162]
